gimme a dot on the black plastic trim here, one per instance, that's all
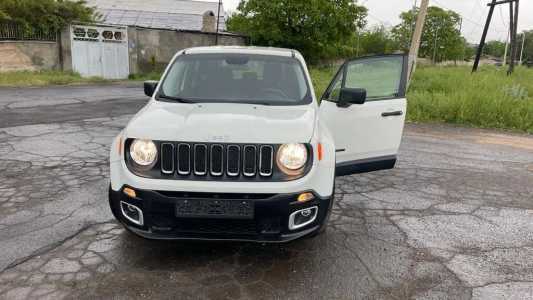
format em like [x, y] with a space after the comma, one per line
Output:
[392, 114]
[365, 165]
[267, 206]
[163, 158]
[212, 162]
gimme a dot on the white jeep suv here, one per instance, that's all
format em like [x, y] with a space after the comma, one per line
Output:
[234, 144]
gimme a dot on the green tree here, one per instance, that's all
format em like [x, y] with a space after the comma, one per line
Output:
[377, 40]
[46, 15]
[441, 38]
[470, 51]
[494, 48]
[317, 28]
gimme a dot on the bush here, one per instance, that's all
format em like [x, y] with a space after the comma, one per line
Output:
[488, 98]
[43, 78]
[46, 15]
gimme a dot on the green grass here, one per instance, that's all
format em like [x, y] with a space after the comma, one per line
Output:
[44, 78]
[321, 77]
[146, 76]
[488, 99]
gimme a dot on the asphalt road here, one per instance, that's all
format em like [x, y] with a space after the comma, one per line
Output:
[453, 221]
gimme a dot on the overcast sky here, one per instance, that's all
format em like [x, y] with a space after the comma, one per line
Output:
[474, 13]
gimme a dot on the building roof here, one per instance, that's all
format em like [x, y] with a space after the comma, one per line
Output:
[165, 14]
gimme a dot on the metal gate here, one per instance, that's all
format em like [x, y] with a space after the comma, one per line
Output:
[100, 51]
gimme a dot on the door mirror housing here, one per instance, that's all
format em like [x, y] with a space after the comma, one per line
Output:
[349, 96]
[149, 87]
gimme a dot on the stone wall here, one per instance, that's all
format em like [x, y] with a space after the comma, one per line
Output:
[152, 49]
[149, 50]
[29, 56]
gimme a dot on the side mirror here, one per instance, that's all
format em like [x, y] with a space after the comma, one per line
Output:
[349, 96]
[149, 87]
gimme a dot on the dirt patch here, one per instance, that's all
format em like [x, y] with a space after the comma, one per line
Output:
[507, 140]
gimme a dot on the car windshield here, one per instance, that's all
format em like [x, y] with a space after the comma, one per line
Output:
[236, 78]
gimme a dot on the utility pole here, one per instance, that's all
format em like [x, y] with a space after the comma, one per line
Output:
[484, 36]
[358, 41]
[512, 36]
[435, 47]
[522, 51]
[417, 36]
[506, 47]
[218, 21]
[461, 34]
[413, 23]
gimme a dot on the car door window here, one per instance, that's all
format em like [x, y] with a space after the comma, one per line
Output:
[380, 76]
[367, 136]
[333, 92]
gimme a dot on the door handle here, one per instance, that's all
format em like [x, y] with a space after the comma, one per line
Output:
[392, 114]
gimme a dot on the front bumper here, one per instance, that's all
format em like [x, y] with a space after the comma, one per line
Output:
[269, 222]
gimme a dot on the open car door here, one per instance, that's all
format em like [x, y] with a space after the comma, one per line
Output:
[367, 129]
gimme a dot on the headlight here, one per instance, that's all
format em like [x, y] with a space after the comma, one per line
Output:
[143, 153]
[291, 158]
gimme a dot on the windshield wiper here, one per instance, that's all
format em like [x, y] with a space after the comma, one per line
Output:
[177, 99]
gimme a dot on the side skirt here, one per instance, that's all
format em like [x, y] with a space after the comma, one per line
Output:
[365, 165]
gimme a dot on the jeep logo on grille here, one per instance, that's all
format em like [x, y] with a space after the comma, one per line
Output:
[218, 138]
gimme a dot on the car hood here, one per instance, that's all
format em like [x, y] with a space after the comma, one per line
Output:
[223, 123]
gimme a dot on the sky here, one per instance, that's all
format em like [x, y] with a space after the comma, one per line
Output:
[474, 13]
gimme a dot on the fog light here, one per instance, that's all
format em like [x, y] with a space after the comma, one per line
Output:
[130, 192]
[303, 217]
[306, 197]
[132, 213]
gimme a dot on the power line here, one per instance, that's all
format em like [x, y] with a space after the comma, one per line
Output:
[501, 16]
[468, 19]
[386, 24]
[465, 18]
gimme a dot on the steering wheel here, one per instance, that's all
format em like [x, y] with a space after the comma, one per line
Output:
[272, 91]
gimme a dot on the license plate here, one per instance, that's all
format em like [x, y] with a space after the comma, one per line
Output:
[211, 208]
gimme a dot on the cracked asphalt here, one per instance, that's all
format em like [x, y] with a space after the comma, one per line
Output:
[453, 221]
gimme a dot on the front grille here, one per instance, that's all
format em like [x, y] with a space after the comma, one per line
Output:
[201, 160]
[266, 160]
[221, 196]
[184, 159]
[233, 159]
[167, 160]
[249, 161]
[217, 159]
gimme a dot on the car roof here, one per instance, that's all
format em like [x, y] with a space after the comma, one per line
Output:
[243, 50]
